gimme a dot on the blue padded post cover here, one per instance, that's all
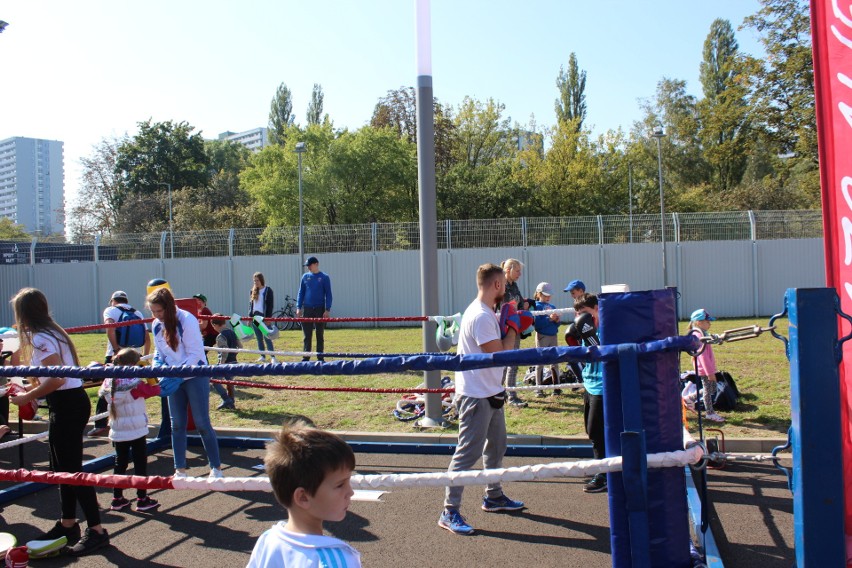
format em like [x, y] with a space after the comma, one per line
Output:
[637, 317]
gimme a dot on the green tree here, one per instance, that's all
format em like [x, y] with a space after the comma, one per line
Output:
[571, 104]
[315, 106]
[724, 111]
[95, 210]
[161, 153]
[280, 114]
[783, 80]
[10, 231]
[783, 101]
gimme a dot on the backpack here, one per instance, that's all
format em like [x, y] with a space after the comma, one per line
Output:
[130, 335]
[727, 393]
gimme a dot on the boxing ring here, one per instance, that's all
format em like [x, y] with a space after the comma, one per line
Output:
[646, 448]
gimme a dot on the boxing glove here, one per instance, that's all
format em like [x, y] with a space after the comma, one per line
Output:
[585, 326]
[144, 390]
[527, 321]
[509, 319]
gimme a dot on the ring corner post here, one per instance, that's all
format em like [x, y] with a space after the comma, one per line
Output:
[818, 489]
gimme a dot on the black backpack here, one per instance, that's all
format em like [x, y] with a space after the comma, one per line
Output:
[130, 335]
[727, 393]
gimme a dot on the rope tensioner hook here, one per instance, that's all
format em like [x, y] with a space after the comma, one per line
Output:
[736, 334]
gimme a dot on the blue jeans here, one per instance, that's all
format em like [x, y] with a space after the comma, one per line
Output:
[259, 336]
[194, 392]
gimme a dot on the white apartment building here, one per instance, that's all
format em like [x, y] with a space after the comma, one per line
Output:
[255, 140]
[32, 184]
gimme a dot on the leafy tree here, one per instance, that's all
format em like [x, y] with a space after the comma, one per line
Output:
[10, 231]
[315, 106]
[280, 114]
[784, 81]
[571, 104]
[483, 136]
[95, 211]
[161, 153]
[783, 96]
[724, 111]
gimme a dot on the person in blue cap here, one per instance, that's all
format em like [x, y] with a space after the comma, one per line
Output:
[699, 324]
[576, 288]
[313, 301]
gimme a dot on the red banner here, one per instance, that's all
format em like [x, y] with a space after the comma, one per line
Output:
[832, 49]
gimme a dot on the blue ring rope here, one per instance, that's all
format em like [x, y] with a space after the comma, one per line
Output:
[374, 365]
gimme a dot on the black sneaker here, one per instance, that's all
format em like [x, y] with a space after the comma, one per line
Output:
[91, 541]
[72, 533]
[596, 485]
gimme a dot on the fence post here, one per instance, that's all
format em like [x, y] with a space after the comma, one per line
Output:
[601, 255]
[96, 284]
[32, 262]
[374, 245]
[524, 232]
[755, 272]
[231, 235]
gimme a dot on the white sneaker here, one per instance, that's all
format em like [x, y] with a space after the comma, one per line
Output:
[713, 417]
[215, 473]
[261, 360]
[272, 360]
[179, 475]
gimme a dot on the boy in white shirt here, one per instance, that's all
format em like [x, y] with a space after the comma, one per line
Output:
[309, 470]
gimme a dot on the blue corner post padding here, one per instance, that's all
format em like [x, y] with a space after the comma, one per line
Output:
[642, 412]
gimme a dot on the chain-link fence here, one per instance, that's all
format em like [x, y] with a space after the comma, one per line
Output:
[459, 234]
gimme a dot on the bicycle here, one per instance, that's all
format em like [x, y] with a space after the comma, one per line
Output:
[288, 311]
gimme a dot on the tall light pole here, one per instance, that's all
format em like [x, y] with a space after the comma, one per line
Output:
[171, 231]
[300, 149]
[658, 133]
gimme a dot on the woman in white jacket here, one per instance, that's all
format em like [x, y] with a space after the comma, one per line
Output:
[177, 339]
[128, 420]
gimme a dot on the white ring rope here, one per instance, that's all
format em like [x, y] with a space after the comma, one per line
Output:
[680, 458]
[41, 435]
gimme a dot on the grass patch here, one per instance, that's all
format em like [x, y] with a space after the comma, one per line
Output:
[758, 365]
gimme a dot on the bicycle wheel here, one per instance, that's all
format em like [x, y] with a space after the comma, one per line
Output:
[291, 314]
[281, 325]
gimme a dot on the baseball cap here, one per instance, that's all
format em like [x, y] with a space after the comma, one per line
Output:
[574, 284]
[700, 315]
[119, 295]
[156, 284]
[201, 297]
[311, 260]
[544, 288]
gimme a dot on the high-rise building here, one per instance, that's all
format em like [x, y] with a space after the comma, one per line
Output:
[32, 184]
[255, 140]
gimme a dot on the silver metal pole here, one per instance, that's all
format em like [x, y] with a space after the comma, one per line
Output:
[428, 209]
[662, 209]
[630, 197]
[301, 219]
[171, 227]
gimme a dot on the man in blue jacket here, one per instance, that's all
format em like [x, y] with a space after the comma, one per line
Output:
[313, 301]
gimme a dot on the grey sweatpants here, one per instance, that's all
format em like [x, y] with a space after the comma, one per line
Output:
[482, 432]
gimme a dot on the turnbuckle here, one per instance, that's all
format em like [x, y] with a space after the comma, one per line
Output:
[736, 334]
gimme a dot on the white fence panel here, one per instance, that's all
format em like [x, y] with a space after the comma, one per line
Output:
[788, 263]
[729, 278]
[717, 276]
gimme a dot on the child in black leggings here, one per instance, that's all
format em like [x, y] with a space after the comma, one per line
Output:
[128, 420]
[45, 343]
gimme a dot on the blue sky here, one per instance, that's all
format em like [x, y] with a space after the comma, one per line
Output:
[82, 71]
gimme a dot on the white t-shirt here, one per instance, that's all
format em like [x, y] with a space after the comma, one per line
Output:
[479, 326]
[259, 305]
[45, 345]
[280, 548]
[114, 313]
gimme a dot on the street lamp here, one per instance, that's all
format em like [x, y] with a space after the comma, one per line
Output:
[300, 149]
[171, 231]
[658, 133]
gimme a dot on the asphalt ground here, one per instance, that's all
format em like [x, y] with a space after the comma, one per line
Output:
[751, 516]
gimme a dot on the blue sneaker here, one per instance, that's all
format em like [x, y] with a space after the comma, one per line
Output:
[501, 503]
[452, 520]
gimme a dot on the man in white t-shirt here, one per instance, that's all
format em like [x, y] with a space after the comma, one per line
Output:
[479, 399]
[112, 314]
